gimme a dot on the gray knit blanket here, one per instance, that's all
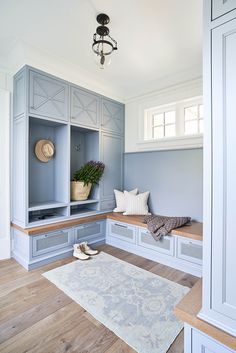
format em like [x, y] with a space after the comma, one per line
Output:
[162, 225]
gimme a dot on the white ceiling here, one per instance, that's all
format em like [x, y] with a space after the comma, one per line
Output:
[159, 41]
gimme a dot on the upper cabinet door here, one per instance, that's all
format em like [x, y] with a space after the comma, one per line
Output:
[85, 108]
[48, 96]
[224, 172]
[221, 7]
[112, 157]
[112, 116]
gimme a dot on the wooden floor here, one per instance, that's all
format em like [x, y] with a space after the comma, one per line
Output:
[36, 317]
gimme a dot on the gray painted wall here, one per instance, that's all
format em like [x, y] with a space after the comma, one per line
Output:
[174, 179]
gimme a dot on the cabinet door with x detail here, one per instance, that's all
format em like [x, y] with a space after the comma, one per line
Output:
[85, 108]
[48, 97]
[112, 116]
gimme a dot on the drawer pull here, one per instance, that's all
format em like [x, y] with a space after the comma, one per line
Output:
[55, 234]
[120, 225]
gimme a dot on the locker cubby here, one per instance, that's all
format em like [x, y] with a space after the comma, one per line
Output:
[84, 148]
[48, 182]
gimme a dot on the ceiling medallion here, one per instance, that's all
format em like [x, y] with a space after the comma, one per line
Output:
[103, 43]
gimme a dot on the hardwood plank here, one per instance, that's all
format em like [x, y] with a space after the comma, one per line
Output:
[98, 340]
[34, 314]
[10, 286]
[36, 317]
[178, 345]
[140, 262]
[15, 273]
[23, 298]
[173, 275]
[6, 266]
[34, 337]
[188, 309]
[53, 265]
[120, 347]
[136, 260]
[68, 339]
[89, 317]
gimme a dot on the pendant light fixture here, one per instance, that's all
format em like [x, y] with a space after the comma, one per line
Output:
[103, 43]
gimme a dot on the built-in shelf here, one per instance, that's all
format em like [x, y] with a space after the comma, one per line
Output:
[47, 213]
[37, 206]
[82, 211]
[81, 208]
[74, 203]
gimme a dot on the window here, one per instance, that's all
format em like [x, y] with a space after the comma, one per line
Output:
[163, 125]
[174, 121]
[193, 119]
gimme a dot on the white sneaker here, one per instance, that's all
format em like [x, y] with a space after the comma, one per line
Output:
[87, 250]
[79, 254]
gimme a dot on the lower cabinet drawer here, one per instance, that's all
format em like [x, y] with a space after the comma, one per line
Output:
[165, 245]
[90, 232]
[189, 250]
[122, 231]
[206, 344]
[53, 241]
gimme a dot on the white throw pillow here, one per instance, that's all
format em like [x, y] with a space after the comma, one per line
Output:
[136, 204]
[120, 199]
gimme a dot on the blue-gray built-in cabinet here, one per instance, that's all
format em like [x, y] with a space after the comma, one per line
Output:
[83, 126]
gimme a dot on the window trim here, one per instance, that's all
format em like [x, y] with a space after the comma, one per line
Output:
[181, 140]
[198, 119]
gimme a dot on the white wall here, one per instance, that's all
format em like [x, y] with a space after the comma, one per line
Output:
[5, 117]
[134, 108]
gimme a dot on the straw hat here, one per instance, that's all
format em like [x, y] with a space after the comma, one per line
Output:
[44, 150]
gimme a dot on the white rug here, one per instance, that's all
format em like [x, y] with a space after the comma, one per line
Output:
[133, 303]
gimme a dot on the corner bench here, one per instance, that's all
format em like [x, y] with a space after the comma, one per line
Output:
[200, 335]
[36, 246]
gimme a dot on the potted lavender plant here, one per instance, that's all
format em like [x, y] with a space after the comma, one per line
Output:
[84, 178]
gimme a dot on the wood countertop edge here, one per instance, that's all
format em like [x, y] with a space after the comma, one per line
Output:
[193, 231]
[187, 310]
[59, 225]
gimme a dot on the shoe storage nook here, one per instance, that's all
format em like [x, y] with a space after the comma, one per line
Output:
[82, 126]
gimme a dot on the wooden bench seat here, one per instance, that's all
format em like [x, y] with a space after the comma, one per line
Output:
[193, 230]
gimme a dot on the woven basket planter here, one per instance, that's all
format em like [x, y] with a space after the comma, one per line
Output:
[79, 191]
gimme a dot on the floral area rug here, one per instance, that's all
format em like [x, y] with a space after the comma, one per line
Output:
[133, 303]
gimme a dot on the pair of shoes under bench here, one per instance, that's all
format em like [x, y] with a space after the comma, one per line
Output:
[83, 252]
